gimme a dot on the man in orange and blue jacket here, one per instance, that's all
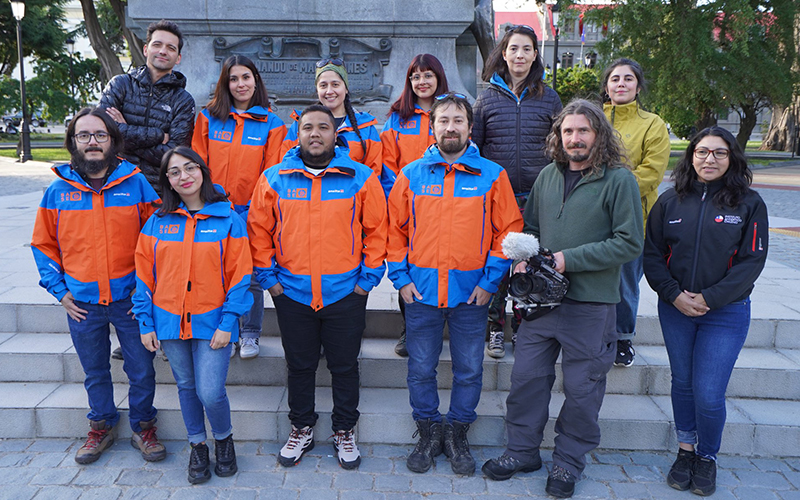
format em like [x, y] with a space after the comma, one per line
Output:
[448, 214]
[84, 241]
[317, 228]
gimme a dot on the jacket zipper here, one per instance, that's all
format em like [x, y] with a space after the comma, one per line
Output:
[697, 237]
[414, 219]
[519, 140]
[149, 103]
[483, 225]
[352, 231]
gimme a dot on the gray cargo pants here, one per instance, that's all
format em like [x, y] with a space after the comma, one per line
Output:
[586, 334]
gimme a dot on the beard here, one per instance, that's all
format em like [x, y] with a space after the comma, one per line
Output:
[86, 167]
[452, 147]
[576, 157]
[321, 159]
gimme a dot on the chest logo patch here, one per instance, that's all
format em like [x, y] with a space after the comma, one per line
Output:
[675, 221]
[728, 219]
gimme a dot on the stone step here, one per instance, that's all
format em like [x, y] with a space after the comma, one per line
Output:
[759, 372]
[387, 323]
[53, 410]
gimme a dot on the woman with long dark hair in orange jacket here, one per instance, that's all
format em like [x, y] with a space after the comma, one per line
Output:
[239, 137]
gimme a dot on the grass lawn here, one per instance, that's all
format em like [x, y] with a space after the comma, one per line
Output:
[40, 154]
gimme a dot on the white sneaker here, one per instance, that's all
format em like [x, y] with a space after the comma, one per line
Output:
[248, 348]
[496, 347]
[344, 442]
[300, 441]
[233, 349]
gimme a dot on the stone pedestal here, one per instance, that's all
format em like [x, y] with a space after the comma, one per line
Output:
[270, 32]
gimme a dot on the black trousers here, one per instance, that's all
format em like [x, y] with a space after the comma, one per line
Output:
[338, 328]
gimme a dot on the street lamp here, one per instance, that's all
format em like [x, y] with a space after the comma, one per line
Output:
[71, 46]
[555, 9]
[18, 10]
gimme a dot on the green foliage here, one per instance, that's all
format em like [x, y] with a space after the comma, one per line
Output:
[42, 35]
[577, 82]
[51, 91]
[9, 94]
[110, 25]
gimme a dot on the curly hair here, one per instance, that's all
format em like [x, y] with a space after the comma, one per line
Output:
[736, 180]
[607, 148]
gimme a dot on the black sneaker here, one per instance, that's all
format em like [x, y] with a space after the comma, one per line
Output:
[560, 483]
[625, 353]
[428, 447]
[680, 474]
[704, 476]
[226, 457]
[456, 447]
[198, 464]
[400, 349]
[505, 466]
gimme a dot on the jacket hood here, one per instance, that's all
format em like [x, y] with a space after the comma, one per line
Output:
[216, 209]
[503, 86]
[471, 158]
[174, 79]
[621, 110]
[121, 172]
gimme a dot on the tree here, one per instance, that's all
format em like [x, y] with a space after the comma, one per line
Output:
[42, 36]
[785, 118]
[577, 82]
[109, 61]
[51, 91]
[111, 19]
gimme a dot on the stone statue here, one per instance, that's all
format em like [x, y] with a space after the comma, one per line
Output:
[482, 27]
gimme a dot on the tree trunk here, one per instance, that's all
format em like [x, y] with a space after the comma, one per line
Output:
[707, 119]
[135, 44]
[105, 54]
[782, 127]
[748, 116]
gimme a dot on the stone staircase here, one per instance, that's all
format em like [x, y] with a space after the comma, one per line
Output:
[42, 395]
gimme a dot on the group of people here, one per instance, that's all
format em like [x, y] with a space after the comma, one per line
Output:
[172, 231]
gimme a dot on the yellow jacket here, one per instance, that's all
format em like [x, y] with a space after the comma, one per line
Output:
[646, 143]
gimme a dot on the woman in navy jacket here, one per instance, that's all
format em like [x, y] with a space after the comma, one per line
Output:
[705, 247]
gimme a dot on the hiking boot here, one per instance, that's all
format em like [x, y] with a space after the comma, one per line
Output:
[704, 476]
[100, 438]
[400, 349]
[680, 474]
[116, 353]
[344, 442]
[146, 441]
[625, 353]
[248, 348]
[300, 441]
[560, 483]
[505, 466]
[428, 447]
[226, 457]
[198, 464]
[496, 347]
[456, 447]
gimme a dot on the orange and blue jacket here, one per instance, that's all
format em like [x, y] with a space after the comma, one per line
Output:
[404, 141]
[446, 226]
[84, 240]
[347, 139]
[192, 273]
[318, 236]
[238, 149]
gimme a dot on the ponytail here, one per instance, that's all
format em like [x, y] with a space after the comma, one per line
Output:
[351, 115]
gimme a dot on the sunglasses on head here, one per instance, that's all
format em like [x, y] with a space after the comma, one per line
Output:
[335, 61]
[511, 27]
[454, 94]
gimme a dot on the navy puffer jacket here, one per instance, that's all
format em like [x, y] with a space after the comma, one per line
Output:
[151, 111]
[512, 131]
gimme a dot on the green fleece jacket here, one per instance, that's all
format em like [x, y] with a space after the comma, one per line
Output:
[598, 228]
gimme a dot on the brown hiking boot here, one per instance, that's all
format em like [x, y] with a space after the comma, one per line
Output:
[100, 438]
[147, 442]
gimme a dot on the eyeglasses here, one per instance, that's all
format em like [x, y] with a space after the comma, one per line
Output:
[85, 137]
[719, 154]
[416, 77]
[189, 168]
[512, 27]
[335, 61]
[450, 94]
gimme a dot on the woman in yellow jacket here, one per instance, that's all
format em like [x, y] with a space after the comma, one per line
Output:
[646, 142]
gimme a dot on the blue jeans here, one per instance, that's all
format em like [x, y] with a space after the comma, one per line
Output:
[424, 337]
[250, 323]
[93, 345]
[628, 306]
[200, 374]
[702, 352]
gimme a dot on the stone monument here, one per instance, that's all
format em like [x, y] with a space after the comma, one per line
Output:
[376, 38]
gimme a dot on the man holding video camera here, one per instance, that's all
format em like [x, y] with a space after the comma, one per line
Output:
[585, 208]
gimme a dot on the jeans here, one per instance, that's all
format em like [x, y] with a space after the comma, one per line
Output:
[424, 340]
[250, 323]
[200, 374]
[628, 306]
[337, 327]
[702, 352]
[90, 337]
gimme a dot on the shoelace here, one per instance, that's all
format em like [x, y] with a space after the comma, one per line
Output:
[703, 466]
[199, 455]
[149, 437]
[249, 341]
[226, 450]
[561, 474]
[294, 438]
[496, 340]
[344, 440]
[461, 441]
[506, 461]
[93, 441]
[684, 461]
